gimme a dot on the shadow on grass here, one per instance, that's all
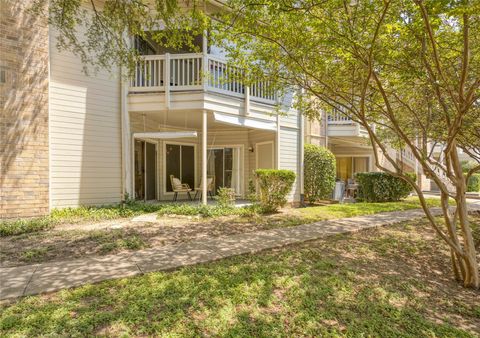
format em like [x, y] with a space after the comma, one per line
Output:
[388, 282]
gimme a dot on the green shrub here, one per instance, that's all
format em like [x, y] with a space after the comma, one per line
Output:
[319, 172]
[467, 165]
[205, 210]
[21, 226]
[75, 215]
[252, 191]
[382, 187]
[474, 183]
[225, 197]
[274, 185]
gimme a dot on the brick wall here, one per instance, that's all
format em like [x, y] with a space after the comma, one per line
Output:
[23, 111]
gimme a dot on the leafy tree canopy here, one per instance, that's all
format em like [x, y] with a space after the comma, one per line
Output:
[100, 32]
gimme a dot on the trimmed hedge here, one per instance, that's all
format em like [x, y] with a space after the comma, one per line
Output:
[474, 183]
[382, 187]
[319, 172]
[274, 185]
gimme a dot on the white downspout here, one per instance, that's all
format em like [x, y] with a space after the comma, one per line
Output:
[301, 155]
[325, 121]
[277, 143]
[126, 140]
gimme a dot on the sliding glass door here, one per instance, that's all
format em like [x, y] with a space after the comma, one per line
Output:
[145, 170]
[179, 162]
[348, 166]
[224, 165]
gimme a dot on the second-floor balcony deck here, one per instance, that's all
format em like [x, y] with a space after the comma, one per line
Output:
[180, 73]
[340, 125]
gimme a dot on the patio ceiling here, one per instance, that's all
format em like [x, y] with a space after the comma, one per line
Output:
[191, 120]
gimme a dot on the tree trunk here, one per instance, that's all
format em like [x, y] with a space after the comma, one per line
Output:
[471, 277]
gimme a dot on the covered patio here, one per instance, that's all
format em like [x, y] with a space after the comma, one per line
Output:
[200, 150]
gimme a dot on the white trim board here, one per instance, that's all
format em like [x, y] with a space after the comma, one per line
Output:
[244, 122]
[165, 135]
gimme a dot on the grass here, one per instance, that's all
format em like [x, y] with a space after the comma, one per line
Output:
[206, 210]
[34, 255]
[129, 243]
[75, 215]
[116, 240]
[74, 241]
[388, 282]
[109, 212]
[333, 211]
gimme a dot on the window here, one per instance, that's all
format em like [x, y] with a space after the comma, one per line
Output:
[180, 162]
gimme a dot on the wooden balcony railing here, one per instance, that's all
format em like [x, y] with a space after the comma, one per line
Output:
[183, 72]
[337, 117]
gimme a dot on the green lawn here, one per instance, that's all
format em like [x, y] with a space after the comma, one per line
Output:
[357, 209]
[387, 282]
[176, 223]
[111, 212]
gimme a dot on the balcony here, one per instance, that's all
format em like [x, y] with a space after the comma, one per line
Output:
[180, 73]
[340, 125]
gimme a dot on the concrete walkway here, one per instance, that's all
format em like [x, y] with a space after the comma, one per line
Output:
[53, 276]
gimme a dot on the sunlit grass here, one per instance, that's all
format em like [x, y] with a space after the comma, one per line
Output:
[333, 211]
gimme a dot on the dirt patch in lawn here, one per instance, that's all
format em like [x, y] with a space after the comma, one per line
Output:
[89, 239]
[71, 241]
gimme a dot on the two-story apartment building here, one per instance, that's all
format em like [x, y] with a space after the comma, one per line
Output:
[68, 139]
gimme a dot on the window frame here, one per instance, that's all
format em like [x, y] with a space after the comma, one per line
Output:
[241, 170]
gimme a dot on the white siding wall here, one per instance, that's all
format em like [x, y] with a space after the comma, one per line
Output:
[85, 134]
[290, 149]
[257, 136]
[290, 157]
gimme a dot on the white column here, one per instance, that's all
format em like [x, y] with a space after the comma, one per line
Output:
[204, 157]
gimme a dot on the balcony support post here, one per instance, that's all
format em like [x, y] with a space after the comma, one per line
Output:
[247, 100]
[166, 80]
[204, 157]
